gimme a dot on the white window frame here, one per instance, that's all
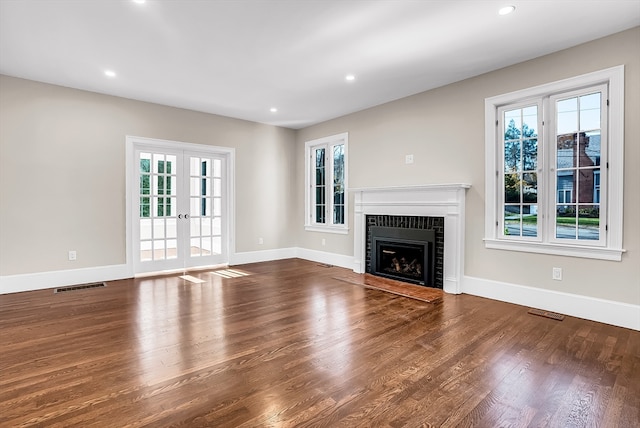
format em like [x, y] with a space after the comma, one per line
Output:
[610, 246]
[328, 143]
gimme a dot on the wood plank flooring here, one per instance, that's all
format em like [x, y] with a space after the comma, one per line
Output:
[291, 345]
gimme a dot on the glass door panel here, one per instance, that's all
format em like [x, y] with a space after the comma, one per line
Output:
[179, 210]
[205, 208]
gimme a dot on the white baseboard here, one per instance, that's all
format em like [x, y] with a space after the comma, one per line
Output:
[326, 258]
[590, 308]
[62, 278]
[262, 256]
[600, 310]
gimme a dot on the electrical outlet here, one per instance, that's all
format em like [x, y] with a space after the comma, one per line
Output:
[557, 274]
[72, 255]
[408, 159]
[324, 241]
[260, 241]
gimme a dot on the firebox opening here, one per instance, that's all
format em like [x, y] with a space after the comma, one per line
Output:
[403, 254]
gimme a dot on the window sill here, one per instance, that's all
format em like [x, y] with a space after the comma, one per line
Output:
[600, 253]
[341, 230]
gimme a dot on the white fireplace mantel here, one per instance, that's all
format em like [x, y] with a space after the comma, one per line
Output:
[435, 200]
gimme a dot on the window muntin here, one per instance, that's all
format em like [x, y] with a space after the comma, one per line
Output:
[608, 177]
[575, 142]
[580, 151]
[326, 166]
[519, 175]
[338, 184]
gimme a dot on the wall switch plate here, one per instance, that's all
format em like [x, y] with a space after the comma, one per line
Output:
[324, 241]
[260, 241]
[557, 274]
[72, 256]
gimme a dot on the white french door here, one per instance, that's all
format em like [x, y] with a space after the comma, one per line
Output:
[179, 206]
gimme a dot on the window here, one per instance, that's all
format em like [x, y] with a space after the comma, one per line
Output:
[555, 167]
[326, 176]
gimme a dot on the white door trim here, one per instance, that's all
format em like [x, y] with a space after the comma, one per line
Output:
[132, 143]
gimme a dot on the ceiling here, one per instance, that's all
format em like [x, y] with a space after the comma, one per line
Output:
[241, 58]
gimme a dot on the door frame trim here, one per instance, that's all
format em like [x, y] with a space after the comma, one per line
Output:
[133, 142]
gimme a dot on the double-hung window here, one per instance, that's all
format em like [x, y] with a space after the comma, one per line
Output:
[326, 184]
[554, 156]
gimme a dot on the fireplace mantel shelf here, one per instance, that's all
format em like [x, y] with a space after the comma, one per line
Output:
[443, 186]
[428, 200]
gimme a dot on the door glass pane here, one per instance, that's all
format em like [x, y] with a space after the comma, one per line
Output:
[205, 226]
[205, 167]
[169, 165]
[145, 229]
[146, 253]
[194, 207]
[158, 229]
[205, 186]
[158, 250]
[145, 162]
[195, 247]
[195, 226]
[145, 184]
[206, 245]
[194, 166]
[217, 187]
[216, 243]
[172, 249]
[172, 228]
[145, 207]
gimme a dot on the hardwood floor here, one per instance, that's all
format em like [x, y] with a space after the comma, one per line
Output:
[292, 345]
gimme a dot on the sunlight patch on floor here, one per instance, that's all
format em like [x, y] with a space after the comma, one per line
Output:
[230, 273]
[192, 279]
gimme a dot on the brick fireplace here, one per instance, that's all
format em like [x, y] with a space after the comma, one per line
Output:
[439, 207]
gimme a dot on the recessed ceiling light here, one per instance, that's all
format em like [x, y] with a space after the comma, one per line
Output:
[506, 10]
[139, 1]
[110, 73]
[273, 110]
[350, 77]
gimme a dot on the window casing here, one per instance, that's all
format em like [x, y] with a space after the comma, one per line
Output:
[555, 167]
[326, 184]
